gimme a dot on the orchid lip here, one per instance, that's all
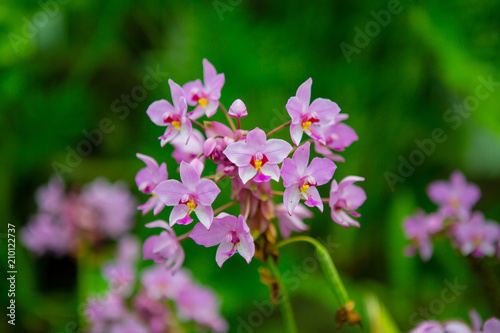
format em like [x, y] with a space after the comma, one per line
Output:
[201, 100]
[146, 187]
[307, 181]
[258, 161]
[188, 200]
[232, 237]
[309, 120]
[172, 119]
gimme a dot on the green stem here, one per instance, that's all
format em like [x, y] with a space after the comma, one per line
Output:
[229, 119]
[327, 264]
[284, 301]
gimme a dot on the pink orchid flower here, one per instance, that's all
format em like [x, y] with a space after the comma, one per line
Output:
[192, 195]
[162, 113]
[147, 179]
[338, 136]
[231, 232]
[477, 236]
[188, 151]
[345, 198]
[456, 197]
[164, 247]
[205, 96]
[289, 223]
[300, 179]
[306, 116]
[258, 156]
[419, 228]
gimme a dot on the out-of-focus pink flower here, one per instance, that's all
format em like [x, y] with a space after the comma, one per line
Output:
[301, 179]
[294, 222]
[437, 327]
[204, 95]
[419, 228]
[492, 325]
[238, 109]
[109, 307]
[112, 206]
[233, 235]
[452, 326]
[201, 305]
[162, 113]
[154, 313]
[188, 151]
[147, 179]
[161, 284]
[129, 324]
[47, 233]
[164, 247]
[345, 198]
[121, 274]
[307, 116]
[193, 194]
[456, 197]
[50, 198]
[258, 156]
[476, 236]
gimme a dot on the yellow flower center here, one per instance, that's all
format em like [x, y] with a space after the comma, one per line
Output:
[304, 188]
[203, 102]
[306, 124]
[257, 164]
[176, 124]
[191, 205]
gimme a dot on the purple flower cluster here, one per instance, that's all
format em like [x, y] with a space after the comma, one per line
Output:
[468, 230]
[492, 325]
[251, 160]
[161, 302]
[98, 211]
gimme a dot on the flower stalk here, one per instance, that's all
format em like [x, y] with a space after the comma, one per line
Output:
[285, 303]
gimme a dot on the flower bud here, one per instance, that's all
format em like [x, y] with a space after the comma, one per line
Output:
[238, 109]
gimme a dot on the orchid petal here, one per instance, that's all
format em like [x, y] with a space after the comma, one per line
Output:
[224, 252]
[205, 214]
[246, 173]
[179, 213]
[238, 153]
[322, 169]
[189, 176]
[208, 238]
[291, 198]
[276, 150]
[304, 92]
[170, 191]
[157, 110]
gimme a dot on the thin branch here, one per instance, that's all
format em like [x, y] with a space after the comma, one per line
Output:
[247, 208]
[229, 119]
[278, 128]
[198, 124]
[184, 236]
[221, 208]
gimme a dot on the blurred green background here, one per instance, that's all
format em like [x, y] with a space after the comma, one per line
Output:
[61, 76]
